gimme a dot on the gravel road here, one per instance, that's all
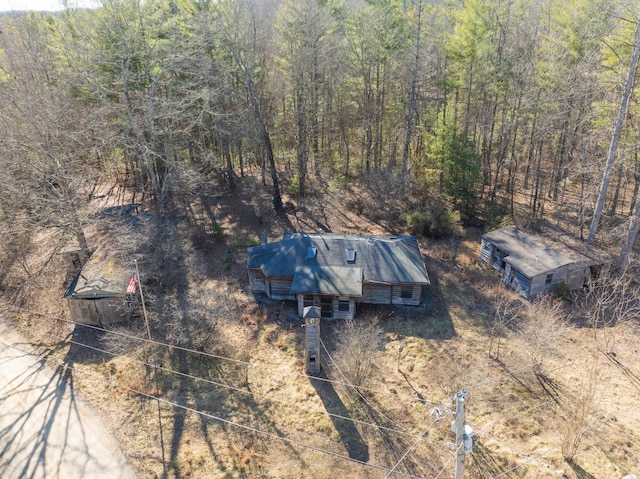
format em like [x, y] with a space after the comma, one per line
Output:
[46, 432]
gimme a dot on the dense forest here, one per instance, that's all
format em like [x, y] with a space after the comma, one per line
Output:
[442, 111]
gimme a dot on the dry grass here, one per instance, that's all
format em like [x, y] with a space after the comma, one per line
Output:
[521, 414]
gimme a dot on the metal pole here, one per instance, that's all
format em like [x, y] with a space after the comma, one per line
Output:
[144, 308]
[459, 436]
[155, 369]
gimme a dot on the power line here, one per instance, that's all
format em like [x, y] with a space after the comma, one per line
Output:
[198, 352]
[449, 461]
[217, 418]
[130, 336]
[351, 384]
[555, 446]
[241, 390]
[245, 391]
[410, 449]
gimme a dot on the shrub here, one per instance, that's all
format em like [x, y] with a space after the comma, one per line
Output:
[439, 221]
[294, 187]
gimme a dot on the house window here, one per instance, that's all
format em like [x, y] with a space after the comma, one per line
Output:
[312, 252]
[549, 278]
[308, 300]
[343, 306]
[406, 292]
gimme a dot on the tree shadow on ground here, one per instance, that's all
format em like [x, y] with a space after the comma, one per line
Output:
[579, 471]
[47, 434]
[513, 376]
[349, 435]
[632, 376]
[484, 464]
[550, 386]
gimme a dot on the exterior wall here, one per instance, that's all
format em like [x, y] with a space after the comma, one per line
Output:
[539, 283]
[376, 293]
[258, 281]
[397, 296]
[492, 255]
[280, 288]
[515, 280]
[349, 314]
[333, 303]
[577, 275]
[486, 251]
[100, 311]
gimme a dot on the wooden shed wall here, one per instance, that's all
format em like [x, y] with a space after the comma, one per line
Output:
[492, 255]
[577, 274]
[100, 311]
[486, 251]
[539, 283]
[258, 281]
[414, 300]
[376, 293]
[280, 288]
[337, 314]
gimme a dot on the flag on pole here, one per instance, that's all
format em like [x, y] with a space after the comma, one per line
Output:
[131, 288]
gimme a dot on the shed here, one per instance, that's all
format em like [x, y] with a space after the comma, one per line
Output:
[532, 264]
[337, 271]
[104, 292]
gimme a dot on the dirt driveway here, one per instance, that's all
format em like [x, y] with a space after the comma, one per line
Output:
[45, 430]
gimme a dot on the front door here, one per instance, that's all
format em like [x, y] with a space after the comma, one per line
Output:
[326, 306]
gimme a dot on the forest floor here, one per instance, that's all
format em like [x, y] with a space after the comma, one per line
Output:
[238, 404]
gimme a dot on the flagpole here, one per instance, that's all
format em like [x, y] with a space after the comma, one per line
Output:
[144, 308]
[146, 322]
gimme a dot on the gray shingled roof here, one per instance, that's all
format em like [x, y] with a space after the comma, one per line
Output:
[103, 275]
[524, 253]
[378, 259]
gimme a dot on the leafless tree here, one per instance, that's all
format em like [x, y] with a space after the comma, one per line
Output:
[608, 301]
[53, 156]
[542, 325]
[357, 341]
[507, 306]
[580, 410]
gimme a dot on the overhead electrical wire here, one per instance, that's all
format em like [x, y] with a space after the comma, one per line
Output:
[130, 336]
[219, 419]
[197, 378]
[346, 383]
[538, 455]
[410, 448]
[198, 352]
[233, 388]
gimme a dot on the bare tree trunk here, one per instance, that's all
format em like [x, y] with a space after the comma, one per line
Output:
[622, 113]
[616, 195]
[625, 253]
[226, 151]
[240, 158]
[264, 133]
[413, 94]
[302, 153]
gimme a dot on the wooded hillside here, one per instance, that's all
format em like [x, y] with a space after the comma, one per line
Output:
[438, 109]
[223, 121]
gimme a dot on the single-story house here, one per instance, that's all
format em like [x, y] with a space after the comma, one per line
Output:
[104, 292]
[338, 271]
[532, 264]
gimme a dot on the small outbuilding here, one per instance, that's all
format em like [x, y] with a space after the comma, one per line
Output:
[104, 292]
[337, 271]
[533, 264]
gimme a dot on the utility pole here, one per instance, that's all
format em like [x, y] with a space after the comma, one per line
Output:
[459, 422]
